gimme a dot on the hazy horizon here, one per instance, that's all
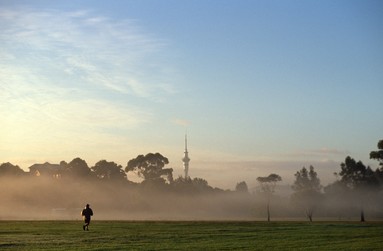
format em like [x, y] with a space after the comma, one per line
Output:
[226, 175]
[45, 198]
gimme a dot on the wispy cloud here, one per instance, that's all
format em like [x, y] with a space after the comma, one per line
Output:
[181, 122]
[82, 47]
[320, 153]
[52, 51]
[63, 74]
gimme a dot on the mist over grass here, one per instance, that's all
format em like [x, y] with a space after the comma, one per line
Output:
[43, 198]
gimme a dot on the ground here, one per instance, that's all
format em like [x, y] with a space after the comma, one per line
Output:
[125, 235]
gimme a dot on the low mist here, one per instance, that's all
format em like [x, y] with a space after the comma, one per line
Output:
[43, 198]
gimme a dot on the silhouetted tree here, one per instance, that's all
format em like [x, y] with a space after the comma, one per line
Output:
[63, 164]
[191, 186]
[378, 155]
[7, 169]
[359, 179]
[242, 187]
[268, 184]
[183, 185]
[78, 168]
[108, 171]
[150, 167]
[201, 185]
[307, 190]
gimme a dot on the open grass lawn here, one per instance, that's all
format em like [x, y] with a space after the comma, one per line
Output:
[123, 235]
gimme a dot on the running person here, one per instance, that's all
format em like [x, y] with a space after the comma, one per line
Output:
[86, 213]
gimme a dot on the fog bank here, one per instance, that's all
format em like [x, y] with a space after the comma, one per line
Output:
[31, 198]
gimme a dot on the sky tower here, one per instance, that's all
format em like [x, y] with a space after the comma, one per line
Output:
[186, 158]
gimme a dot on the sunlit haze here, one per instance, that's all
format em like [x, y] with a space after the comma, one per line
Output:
[259, 87]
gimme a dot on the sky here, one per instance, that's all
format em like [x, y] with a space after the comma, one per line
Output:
[259, 87]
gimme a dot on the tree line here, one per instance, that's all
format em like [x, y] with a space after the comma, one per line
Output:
[355, 181]
[150, 167]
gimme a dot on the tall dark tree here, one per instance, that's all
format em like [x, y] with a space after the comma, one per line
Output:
[77, 168]
[201, 185]
[242, 187]
[378, 155]
[191, 186]
[150, 167]
[108, 171]
[183, 185]
[307, 190]
[63, 164]
[268, 185]
[359, 179]
[7, 169]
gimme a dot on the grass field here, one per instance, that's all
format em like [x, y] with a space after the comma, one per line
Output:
[124, 235]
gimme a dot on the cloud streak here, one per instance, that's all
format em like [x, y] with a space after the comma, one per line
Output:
[67, 75]
[84, 48]
[181, 122]
[77, 52]
[321, 152]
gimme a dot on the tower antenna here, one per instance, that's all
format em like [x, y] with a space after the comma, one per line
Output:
[186, 158]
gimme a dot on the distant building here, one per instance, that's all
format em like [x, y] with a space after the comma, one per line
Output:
[186, 159]
[46, 169]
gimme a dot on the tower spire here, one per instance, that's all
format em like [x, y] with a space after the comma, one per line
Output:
[186, 158]
[186, 143]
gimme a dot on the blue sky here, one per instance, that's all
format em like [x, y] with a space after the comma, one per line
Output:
[268, 86]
